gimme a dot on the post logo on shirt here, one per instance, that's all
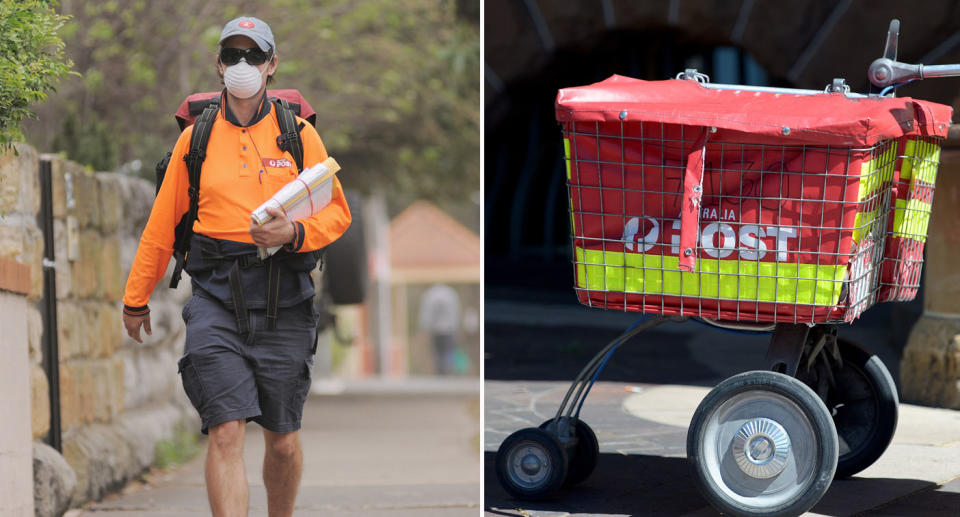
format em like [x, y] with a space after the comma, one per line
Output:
[277, 163]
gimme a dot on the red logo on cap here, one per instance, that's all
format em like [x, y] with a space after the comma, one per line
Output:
[246, 24]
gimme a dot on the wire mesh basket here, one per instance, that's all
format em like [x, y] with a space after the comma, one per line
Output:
[674, 209]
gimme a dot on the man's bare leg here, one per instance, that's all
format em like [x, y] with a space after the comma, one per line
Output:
[282, 465]
[226, 477]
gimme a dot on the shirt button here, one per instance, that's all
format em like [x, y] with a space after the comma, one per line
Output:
[244, 148]
[243, 130]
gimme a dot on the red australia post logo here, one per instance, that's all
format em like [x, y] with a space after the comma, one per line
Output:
[246, 24]
[277, 163]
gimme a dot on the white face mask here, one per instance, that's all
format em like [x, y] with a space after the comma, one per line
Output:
[242, 80]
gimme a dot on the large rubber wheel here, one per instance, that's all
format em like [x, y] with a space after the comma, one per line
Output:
[582, 457]
[345, 273]
[531, 464]
[865, 408]
[762, 444]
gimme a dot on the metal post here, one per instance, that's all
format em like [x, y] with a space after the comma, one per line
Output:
[51, 347]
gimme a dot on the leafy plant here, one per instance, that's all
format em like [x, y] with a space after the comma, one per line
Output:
[31, 60]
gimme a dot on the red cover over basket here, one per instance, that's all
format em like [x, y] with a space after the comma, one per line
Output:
[782, 199]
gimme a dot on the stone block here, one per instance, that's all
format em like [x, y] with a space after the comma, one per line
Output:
[72, 325]
[78, 388]
[111, 271]
[64, 268]
[110, 203]
[35, 333]
[54, 481]
[19, 183]
[11, 236]
[39, 401]
[33, 257]
[102, 460]
[86, 190]
[29, 180]
[144, 428]
[9, 181]
[71, 414]
[117, 391]
[137, 196]
[86, 270]
[58, 186]
[930, 368]
[109, 332]
[149, 375]
[101, 400]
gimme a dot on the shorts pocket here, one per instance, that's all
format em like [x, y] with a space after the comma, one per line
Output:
[306, 382]
[191, 381]
[185, 313]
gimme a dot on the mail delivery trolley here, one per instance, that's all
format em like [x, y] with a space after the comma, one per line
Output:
[756, 209]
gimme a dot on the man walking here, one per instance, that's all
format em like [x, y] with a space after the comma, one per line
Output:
[250, 326]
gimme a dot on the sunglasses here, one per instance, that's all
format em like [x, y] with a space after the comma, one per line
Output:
[253, 56]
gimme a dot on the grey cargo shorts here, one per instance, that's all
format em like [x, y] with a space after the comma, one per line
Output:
[263, 377]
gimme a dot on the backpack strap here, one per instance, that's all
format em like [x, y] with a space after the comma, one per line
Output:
[289, 139]
[194, 158]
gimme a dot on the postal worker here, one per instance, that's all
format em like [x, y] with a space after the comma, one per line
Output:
[250, 324]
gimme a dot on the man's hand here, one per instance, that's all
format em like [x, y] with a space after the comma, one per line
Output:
[276, 232]
[133, 323]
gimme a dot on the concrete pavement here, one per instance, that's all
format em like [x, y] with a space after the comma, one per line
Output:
[643, 404]
[643, 469]
[366, 452]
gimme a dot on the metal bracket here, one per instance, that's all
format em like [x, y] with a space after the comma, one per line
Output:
[786, 347]
[691, 74]
[839, 85]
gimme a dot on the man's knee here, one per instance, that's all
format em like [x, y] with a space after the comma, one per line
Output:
[284, 445]
[228, 436]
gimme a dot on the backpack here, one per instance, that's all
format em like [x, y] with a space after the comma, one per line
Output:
[201, 110]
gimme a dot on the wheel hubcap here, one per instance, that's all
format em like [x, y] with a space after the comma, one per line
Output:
[529, 465]
[761, 448]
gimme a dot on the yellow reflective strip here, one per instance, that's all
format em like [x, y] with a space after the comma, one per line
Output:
[911, 219]
[928, 157]
[909, 151]
[566, 155]
[874, 173]
[715, 279]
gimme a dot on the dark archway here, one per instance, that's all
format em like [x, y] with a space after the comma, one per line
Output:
[535, 47]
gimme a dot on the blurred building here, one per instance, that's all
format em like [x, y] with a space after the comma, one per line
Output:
[428, 247]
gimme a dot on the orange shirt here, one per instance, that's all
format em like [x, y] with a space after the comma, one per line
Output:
[243, 168]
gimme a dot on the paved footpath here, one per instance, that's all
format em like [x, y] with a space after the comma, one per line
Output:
[647, 395]
[643, 470]
[412, 452]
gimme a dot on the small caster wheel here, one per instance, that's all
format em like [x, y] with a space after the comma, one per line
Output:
[582, 457]
[762, 444]
[865, 408]
[531, 464]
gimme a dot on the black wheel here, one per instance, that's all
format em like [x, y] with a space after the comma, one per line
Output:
[865, 408]
[531, 464]
[582, 457]
[762, 444]
[345, 259]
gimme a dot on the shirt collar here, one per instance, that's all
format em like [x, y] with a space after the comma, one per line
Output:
[231, 118]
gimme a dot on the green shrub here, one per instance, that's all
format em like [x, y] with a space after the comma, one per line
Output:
[31, 60]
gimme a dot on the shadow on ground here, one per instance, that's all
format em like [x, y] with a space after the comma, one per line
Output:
[621, 485]
[653, 486]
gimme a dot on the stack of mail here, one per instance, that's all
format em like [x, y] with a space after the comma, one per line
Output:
[304, 196]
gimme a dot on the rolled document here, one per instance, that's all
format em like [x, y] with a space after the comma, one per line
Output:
[304, 196]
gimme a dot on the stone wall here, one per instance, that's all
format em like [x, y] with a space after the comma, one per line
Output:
[118, 397]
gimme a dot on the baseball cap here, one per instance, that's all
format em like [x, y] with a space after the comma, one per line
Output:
[253, 28]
